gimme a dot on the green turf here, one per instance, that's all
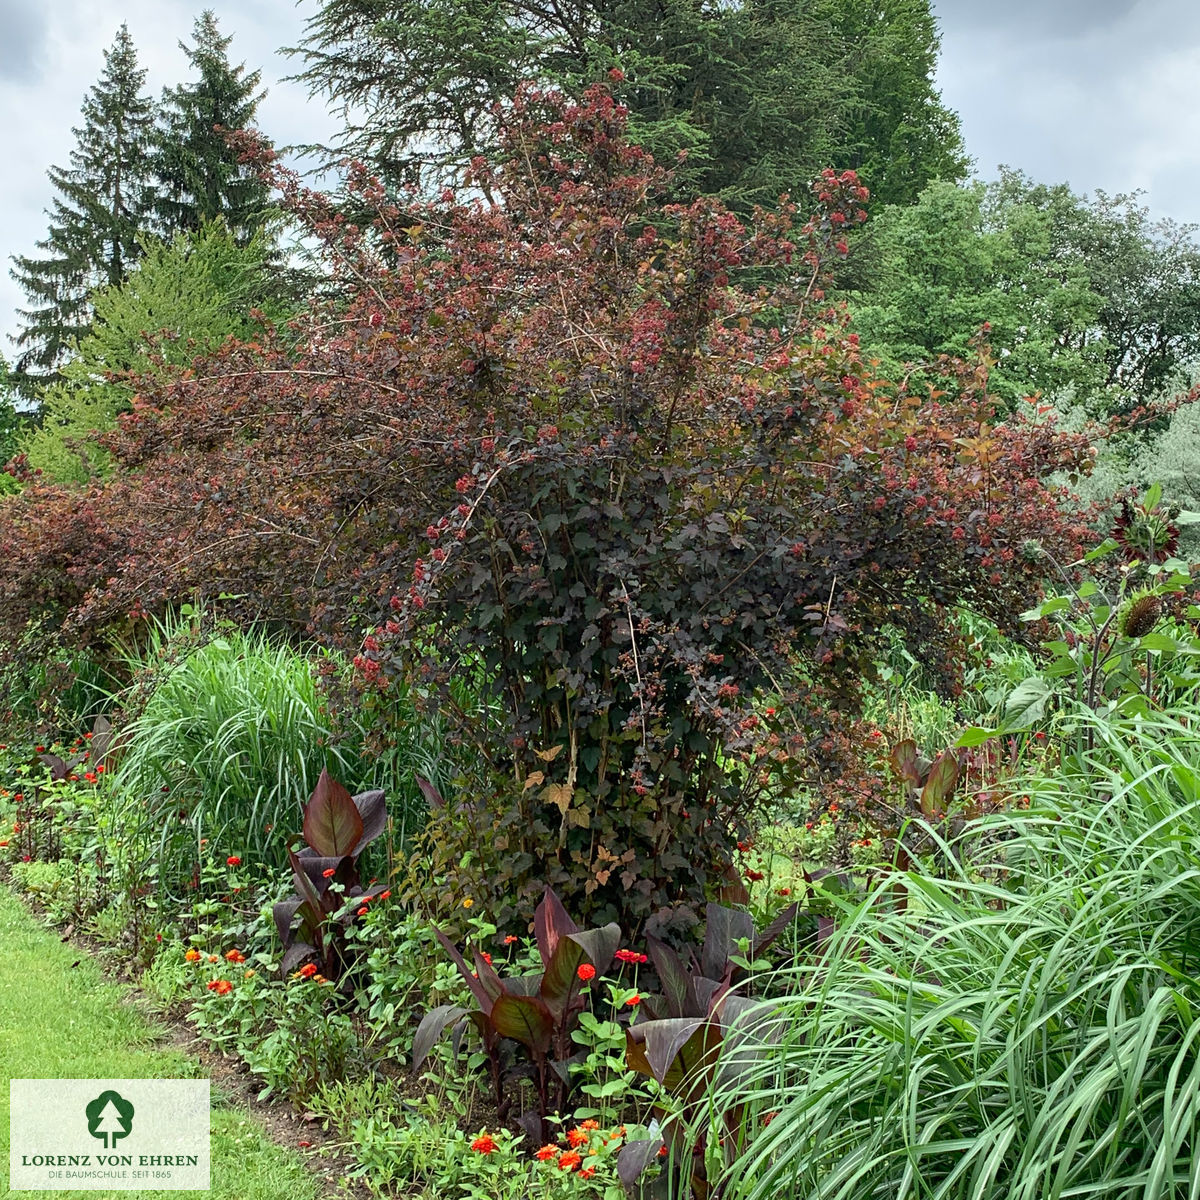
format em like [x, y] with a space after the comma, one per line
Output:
[59, 1021]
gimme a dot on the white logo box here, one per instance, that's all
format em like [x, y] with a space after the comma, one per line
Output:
[108, 1135]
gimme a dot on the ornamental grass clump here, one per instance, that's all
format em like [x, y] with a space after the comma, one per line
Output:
[227, 748]
[1028, 1028]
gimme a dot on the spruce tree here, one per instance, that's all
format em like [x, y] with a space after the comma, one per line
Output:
[199, 176]
[95, 218]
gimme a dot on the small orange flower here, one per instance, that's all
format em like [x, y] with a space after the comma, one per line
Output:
[307, 971]
[512, 937]
[569, 1161]
[192, 955]
[546, 1153]
[328, 873]
[221, 986]
[235, 956]
[576, 1138]
[586, 971]
[213, 958]
[385, 895]
[587, 1172]
[362, 912]
[589, 1125]
[484, 1144]
[634, 1000]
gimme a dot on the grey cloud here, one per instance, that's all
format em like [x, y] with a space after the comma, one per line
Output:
[22, 40]
[1032, 19]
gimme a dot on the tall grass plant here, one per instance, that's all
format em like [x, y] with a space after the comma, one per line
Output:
[1028, 1029]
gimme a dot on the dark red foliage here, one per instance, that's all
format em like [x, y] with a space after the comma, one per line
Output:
[616, 458]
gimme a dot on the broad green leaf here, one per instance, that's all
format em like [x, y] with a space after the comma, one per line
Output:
[1160, 642]
[976, 735]
[1026, 703]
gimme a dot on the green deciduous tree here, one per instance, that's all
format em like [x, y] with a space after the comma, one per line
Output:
[760, 93]
[185, 298]
[95, 217]
[1088, 296]
[199, 176]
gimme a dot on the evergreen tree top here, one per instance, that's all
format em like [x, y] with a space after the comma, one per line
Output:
[96, 214]
[199, 176]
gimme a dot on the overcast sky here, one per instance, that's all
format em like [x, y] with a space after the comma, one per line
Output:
[1101, 93]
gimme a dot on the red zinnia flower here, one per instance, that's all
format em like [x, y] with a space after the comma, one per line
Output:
[570, 1160]
[512, 937]
[223, 988]
[546, 1153]
[576, 1137]
[484, 1144]
[634, 1000]
[754, 876]
[586, 971]
[328, 873]
[233, 861]
[308, 970]
[235, 956]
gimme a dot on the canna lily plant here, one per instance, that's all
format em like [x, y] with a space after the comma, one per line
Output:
[329, 895]
[537, 1012]
[698, 1032]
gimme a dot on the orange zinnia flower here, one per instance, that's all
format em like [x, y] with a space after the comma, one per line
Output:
[586, 971]
[576, 1137]
[192, 955]
[569, 1161]
[547, 1152]
[484, 1144]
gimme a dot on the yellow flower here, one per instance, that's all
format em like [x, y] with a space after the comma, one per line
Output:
[468, 902]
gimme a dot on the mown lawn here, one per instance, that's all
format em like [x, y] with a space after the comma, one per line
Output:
[62, 1021]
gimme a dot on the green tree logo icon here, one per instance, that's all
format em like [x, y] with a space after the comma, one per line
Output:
[109, 1117]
